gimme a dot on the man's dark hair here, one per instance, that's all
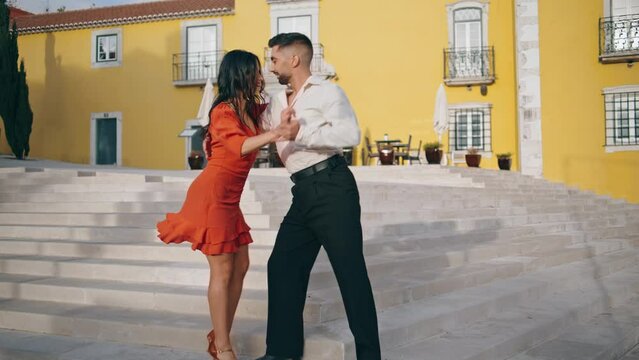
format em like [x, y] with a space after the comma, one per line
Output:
[287, 39]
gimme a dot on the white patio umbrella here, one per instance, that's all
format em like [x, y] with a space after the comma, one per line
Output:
[207, 102]
[440, 118]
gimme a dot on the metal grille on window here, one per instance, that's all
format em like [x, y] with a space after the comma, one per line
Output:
[622, 118]
[470, 127]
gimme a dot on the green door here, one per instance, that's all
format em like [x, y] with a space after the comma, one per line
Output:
[107, 141]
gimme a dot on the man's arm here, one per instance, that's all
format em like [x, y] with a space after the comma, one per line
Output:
[339, 128]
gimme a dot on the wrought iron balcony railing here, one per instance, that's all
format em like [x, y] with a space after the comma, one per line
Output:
[318, 65]
[196, 67]
[468, 66]
[622, 119]
[619, 38]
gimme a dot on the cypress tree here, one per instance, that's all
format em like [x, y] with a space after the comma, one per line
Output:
[14, 93]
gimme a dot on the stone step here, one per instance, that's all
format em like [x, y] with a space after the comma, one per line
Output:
[131, 220]
[156, 250]
[247, 207]
[445, 329]
[455, 225]
[507, 333]
[104, 196]
[330, 341]
[394, 282]
[439, 209]
[108, 234]
[22, 345]
[91, 188]
[606, 336]
[601, 228]
[19, 182]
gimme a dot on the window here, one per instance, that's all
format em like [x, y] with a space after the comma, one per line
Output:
[468, 60]
[201, 48]
[470, 127]
[626, 26]
[302, 17]
[201, 54]
[622, 117]
[106, 48]
[300, 24]
[467, 28]
[624, 7]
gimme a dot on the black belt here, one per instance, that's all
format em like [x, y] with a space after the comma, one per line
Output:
[331, 162]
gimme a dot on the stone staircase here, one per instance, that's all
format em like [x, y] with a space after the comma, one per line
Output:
[465, 263]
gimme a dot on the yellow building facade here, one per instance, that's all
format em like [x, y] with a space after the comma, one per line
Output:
[521, 76]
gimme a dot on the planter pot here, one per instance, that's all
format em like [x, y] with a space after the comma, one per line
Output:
[433, 156]
[473, 160]
[387, 156]
[504, 164]
[196, 162]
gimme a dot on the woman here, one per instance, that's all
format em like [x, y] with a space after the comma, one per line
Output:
[210, 217]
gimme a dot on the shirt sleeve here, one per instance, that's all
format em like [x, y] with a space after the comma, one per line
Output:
[226, 128]
[339, 127]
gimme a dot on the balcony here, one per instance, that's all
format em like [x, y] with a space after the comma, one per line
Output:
[195, 68]
[619, 39]
[469, 66]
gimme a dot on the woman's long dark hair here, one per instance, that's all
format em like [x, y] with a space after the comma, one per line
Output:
[236, 79]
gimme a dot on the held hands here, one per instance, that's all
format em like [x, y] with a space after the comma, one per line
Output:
[289, 125]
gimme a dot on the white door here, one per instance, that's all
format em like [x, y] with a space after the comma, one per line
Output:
[625, 27]
[468, 58]
[300, 24]
[624, 7]
[201, 52]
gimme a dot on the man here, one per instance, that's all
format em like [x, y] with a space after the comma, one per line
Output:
[319, 121]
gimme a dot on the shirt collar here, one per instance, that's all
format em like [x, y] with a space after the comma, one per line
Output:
[311, 81]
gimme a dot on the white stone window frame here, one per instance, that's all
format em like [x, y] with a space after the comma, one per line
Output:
[451, 8]
[296, 9]
[93, 136]
[184, 26]
[94, 48]
[618, 90]
[486, 109]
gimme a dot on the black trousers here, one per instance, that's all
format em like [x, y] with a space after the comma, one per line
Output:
[325, 212]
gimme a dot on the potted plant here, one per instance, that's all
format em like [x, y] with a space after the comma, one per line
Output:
[386, 154]
[473, 157]
[433, 152]
[504, 161]
[196, 160]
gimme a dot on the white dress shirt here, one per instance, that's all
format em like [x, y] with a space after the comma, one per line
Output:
[327, 124]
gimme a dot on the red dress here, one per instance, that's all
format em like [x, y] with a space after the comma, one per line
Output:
[210, 217]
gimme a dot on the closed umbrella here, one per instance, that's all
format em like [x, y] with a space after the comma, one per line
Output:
[440, 118]
[207, 102]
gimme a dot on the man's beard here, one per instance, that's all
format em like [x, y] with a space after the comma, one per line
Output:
[283, 80]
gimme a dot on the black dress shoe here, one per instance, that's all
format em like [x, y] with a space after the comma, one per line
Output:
[271, 357]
